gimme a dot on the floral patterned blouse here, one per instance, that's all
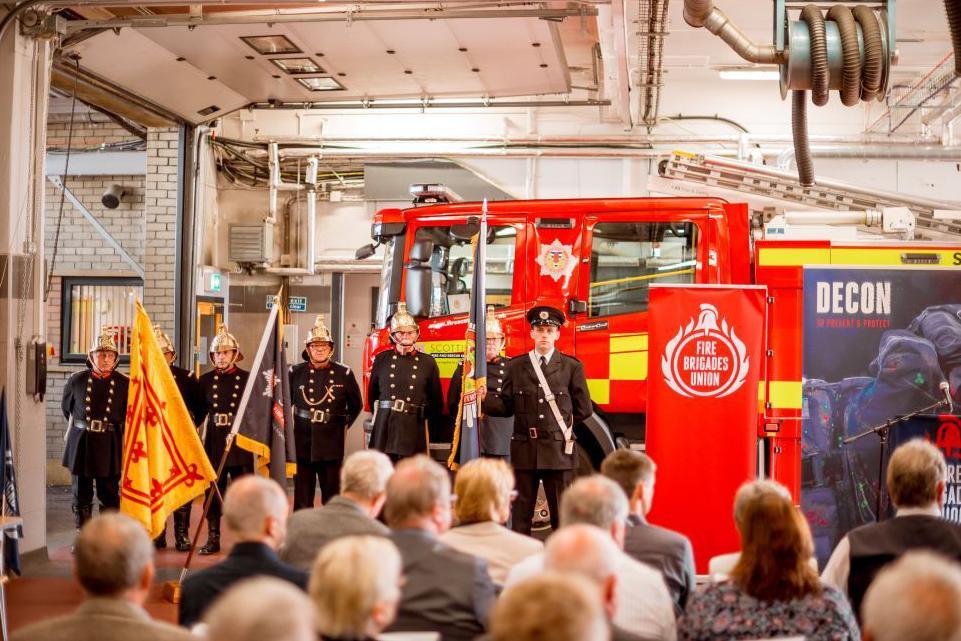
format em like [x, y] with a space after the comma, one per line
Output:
[723, 611]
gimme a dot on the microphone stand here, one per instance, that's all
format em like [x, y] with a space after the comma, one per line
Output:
[883, 431]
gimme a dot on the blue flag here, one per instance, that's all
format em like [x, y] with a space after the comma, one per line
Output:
[8, 484]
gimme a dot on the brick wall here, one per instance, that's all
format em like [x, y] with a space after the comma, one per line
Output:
[87, 132]
[160, 206]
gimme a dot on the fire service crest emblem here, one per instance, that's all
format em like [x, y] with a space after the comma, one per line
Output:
[557, 261]
[705, 359]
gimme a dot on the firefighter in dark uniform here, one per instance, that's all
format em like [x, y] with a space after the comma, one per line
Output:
[95, 406]
[326, 401]
[404, 392]
[223, 387]
[541, 449]
[196, 402]
[495, 431]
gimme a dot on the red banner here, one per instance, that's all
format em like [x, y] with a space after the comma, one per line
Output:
[706, 355]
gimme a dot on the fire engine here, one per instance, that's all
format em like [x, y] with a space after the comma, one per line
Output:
[596, 259]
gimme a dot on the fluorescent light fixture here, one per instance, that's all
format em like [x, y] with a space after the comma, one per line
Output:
[298, 65]
[321, 84]
[265, 45]
[749, 74]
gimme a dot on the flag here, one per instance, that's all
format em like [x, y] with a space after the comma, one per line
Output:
[8, 483]
[264, 423]
[466, 444]
[164, 464]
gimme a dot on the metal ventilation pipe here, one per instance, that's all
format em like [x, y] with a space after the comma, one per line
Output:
[703, 13]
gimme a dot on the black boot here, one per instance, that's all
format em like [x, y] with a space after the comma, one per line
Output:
[81, 514]
[182, 529]
[160, 543]
[212, 546]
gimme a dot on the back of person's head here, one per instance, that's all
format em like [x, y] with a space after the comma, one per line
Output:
[365, 474]
[915, 471]
[776, 545]
[417, 487]
[251, 501]
[917, 597]
[111, 555]
[628, 469]
[549, 607]
[595, 500]
[261, 608]
[584, 550]
[355, 586]
[483, 488]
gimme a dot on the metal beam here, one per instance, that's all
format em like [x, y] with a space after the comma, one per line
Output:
[340, 15]
[58, 183]
[98, 163]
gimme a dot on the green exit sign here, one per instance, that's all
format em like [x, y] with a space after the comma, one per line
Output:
[214, 282]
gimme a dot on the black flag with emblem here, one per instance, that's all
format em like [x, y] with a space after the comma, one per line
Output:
[265, 424]
[8, 483]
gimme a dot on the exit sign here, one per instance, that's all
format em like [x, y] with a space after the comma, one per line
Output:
[294, 303]
[214, 282]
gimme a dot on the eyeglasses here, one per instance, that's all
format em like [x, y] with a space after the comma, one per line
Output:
[514, 494]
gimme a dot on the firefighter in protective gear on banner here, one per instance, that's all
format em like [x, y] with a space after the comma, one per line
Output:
[495, 431]
[404, 392]
[196, 401]
[223, 387]
[542, 445]
[95, 406]
[326, 400]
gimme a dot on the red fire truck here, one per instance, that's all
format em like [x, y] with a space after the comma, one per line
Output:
[596, 259]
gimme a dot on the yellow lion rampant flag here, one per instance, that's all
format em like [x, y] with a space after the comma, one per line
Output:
[164, 464]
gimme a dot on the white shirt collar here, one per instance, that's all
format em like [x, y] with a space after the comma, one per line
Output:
[927, 510]
[547, 356]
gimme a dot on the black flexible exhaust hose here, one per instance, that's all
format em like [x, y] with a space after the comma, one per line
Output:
[799, 129]
[953, 9]
[873, 68]
[820, 74]
[850, 54]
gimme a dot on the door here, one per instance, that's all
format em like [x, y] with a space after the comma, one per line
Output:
[210, 316]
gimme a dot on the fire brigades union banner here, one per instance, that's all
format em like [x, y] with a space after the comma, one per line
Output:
[706, 353]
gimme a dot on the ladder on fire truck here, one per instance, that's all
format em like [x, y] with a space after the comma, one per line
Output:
[766, 188]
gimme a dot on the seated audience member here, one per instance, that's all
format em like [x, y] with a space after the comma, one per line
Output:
[483, 488]
[586, 551]
[355, 587]
[445, 591]
[662, 549]
[260, 609]
[255, 511]
[917, 597]
[917, 477]
[113, 562]
[549, 607]
[363, 487]
[773, 591]
[644, 605]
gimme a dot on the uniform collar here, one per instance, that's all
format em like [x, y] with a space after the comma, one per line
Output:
[409, 354]
[99, 376]
[321, 366]
[229, 370]
[547, 356]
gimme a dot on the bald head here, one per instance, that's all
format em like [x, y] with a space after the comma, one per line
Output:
[259, 609]
[255, 509]
[113, 556]
[418, 495]
[582, 549]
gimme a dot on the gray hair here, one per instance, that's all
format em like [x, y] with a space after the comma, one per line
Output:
[594, 500]
[917, 597]
[351, 577]
[111, 554]
[418, 485]
[250, 500]
[914, 471]
[583, 550]
[550, 606]
[365, 473]
[261, 608]
[751, 490]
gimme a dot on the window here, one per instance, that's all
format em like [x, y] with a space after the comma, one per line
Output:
[89, 304]
[627, 257]
[451, 263]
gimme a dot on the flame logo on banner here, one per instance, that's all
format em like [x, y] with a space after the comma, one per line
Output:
[704, 359]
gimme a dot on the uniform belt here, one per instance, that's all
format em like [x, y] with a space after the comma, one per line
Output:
[317, 416]
[404, 407]
[222, 420]
[94, 426]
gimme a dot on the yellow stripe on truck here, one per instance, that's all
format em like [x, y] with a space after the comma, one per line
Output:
[791, 256]
[885, 256]
[785, 395]
[600, 389]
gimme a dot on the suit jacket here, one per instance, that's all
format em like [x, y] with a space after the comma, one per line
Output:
[446, 591]
[310, 530]
[500, 547]
[664, 550]
[101, 619]
[245, 560]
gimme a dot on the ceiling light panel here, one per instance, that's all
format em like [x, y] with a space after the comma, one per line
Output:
[272, 44]
[295, 66]
[323, 83]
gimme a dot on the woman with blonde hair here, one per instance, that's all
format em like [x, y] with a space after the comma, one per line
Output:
[484, 489]
[773, 590]
[355, 586]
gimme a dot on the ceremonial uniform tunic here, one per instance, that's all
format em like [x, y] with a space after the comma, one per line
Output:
[98, 407]
[404, 390]
[222, 390]
[326, 402]
[537, 444]
[196, 401]
[495, 431]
